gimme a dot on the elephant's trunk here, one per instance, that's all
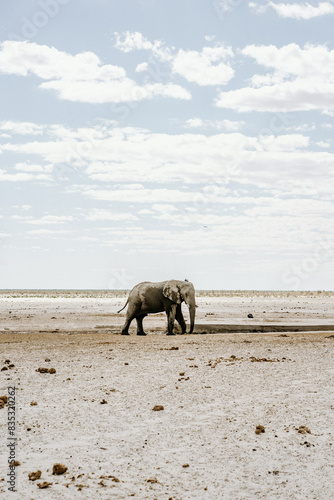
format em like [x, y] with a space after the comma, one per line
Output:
[192, 311]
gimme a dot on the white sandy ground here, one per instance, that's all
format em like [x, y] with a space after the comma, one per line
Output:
[210, 413]
[84, 311]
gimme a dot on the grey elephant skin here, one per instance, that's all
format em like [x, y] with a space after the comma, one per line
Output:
[150, 297]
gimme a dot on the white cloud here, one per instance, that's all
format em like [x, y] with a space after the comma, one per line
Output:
[206, 67]
[51, 219]
[210, 66]
[292, 208]
[229, 125]
[303, 11]
[27, 167]
[4, 235]
[164, 207]
[140, 195]
[46, 231]
[278, 162]
[22, 177]
[301, 79]
[22, 128]
[323, 144]
[141, 67]
[99, 92]
[80, 78]
[97, 214]
[127, 42]
[48, 63]
[23, 207]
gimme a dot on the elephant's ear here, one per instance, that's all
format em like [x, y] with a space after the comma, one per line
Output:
[172, 292]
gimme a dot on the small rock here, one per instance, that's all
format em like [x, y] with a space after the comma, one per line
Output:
[152, 480]
[307, 444]
[103, 402]
[47, 360]
[4, 399]
[185, 466]
[42, 370]
[35, 475]
[302, 429]
[250, 315]
[181, 374]
[44, 484]
[260, 429]
[33, 403]
[158, 408]
[174, 348]
[46, 370]
[59, 469]
[4, 368]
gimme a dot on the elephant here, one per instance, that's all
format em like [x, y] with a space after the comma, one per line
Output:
[154, 297]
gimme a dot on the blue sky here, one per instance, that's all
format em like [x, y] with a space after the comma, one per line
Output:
[148, 140]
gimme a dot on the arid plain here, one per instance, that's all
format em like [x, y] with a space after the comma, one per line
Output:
[94, 413]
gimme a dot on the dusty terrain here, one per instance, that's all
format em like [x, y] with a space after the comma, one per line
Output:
[95, 413]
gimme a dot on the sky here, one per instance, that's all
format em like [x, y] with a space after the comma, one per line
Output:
[145, 140]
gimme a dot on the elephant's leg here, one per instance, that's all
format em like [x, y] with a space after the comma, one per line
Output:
[180, 319]
[132, 312]
[139, 319]
[171, 318]
[125, 329]
[130, 315]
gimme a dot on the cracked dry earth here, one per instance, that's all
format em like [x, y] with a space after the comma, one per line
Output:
[237, 416]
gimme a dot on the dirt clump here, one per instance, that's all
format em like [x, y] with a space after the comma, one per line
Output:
[33, 476]
[262, 360]
[158, 408]
[44, 484]
[45, 370]
[59, 469]
[260, 429]
[302, 429]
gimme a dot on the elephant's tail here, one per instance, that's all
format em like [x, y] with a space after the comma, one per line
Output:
[123, 307]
